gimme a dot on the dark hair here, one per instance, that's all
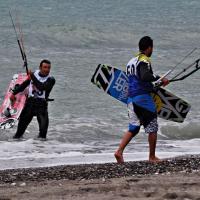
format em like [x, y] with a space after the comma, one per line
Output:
[44, 61]
[145, 42]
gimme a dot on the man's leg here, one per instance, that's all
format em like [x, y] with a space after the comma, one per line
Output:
[24, 120]
[43, 121]
[152, 147]
[151, 129]
[134, 127]
[146, 111]
[125, 140]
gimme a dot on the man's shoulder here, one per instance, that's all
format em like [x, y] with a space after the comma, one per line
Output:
[52, 79]
[144, 64]
[132, 61]
[144, 58]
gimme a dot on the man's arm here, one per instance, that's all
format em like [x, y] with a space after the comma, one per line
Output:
[145, 73]
[47, 85]
[21, 87]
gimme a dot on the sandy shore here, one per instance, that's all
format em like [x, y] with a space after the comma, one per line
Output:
[177, 178]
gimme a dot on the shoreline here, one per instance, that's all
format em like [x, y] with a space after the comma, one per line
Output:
[186, 164]
[175, 178]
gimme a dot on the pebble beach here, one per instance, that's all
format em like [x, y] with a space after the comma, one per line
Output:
[176, 178]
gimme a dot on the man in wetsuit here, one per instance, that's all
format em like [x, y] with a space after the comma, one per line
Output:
[141, 107]
[39, 84]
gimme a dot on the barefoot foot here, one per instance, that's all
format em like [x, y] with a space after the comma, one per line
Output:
[119, 157]
[154, 159]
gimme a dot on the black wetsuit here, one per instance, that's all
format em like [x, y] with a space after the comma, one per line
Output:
[35, 106]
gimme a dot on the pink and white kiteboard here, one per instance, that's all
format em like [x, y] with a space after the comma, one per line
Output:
[10, 111]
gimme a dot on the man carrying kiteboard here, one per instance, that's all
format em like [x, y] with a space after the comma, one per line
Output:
[39, 84]
[141, 107]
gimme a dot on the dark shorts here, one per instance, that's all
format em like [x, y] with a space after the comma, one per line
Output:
[142, 111]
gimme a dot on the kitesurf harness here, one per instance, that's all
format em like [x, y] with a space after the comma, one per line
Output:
[33, 90]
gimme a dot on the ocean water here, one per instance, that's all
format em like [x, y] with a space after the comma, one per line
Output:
[86, 125]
